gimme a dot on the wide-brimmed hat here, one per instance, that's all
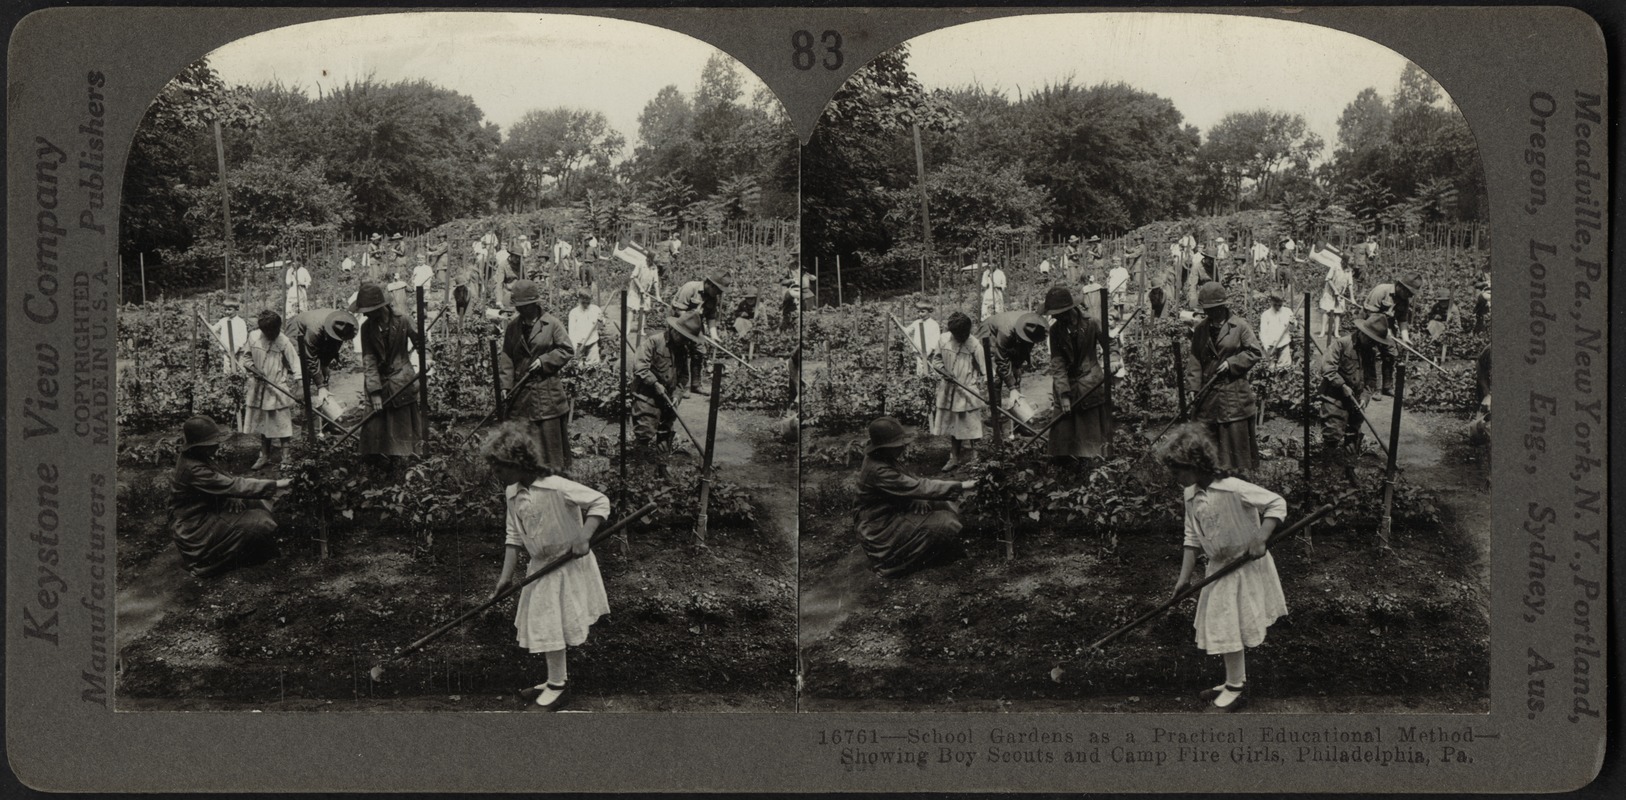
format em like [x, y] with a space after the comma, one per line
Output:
[720, 281]
[375, 237]
[1412, 283]
[369, 298]
[397, 237]
[1093, 238]
[1328, 257]
[1376, 327]
[1276, 294]
[1030, 328]
[1057, 300]
[201, 431]
[335, 320]
[886, 432]
[689, 327]
[1072, 238]
[230, 300]
[1211, 295]
[525, 292]
[922, 305]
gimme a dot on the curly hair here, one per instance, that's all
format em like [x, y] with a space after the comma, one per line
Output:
[1190, 445]
[514, 444]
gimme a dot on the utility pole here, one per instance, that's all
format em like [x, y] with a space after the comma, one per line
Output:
[225, 200]
[925, 213]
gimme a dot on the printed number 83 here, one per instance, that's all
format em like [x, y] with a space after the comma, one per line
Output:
[804, 58]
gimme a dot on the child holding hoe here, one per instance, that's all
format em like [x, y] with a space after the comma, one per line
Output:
[1226, 518]
[548, 515]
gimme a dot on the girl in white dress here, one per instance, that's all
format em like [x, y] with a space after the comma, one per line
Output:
[548, 516]
[1226, 519]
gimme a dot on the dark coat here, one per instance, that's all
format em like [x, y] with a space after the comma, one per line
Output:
[904, 522]
[548, 348]
[1231, 397]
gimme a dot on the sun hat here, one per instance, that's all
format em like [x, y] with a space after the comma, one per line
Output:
[1211, 295]
[1411, 282]
[201, 431]
[375, 237]
[885, 432]
[336, 322]
[525, 292]
[1094, 238]
[1376, 327]
[1030, 328]
[1073, 238]
[1058, 300]
[689, 327]
[397, 237]
[1328, 257]
[720, 281]
[370, 298]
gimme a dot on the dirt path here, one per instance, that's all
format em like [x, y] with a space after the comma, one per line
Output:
[144, 601]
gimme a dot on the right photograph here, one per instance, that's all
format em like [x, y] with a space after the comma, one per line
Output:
[1145, 368]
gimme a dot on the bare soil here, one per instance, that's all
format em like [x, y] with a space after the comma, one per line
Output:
[1367, 630]
[692, 628]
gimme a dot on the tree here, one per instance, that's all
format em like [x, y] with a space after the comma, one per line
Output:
[1253, 146]
[861, 149]
[665, 145]
[1364, 129]
[1110, 156]
[276, 202]
[173, 149]
[553, 144]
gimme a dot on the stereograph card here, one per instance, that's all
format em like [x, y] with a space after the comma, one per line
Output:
[783, 399]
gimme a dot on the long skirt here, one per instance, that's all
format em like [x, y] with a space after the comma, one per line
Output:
[554, 434]
[393, 432]
[226, 540]
[1234, 611]
[927, 535]
[1238, 443]
[275, 423]
[962, 425]
[1084, 432]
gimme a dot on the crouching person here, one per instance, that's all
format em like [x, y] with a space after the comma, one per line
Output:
[660, 373]
[905, 522]
[219, 521]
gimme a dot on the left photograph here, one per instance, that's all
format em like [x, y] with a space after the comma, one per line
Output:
[456, 373]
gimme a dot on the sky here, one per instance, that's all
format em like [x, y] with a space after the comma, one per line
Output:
[1209, 65]
[510, 63]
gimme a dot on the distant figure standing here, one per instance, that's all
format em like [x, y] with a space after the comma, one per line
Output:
[1276, 326]
[297, 281]
[993, 290]
[1337, 290]
[232, 331]
[925, 334]
[585, 320]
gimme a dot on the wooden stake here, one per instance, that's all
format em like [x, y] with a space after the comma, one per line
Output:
[423, 364]
[305, 382]
[840, 297]
[1179, 376]
[701, 520]
[225, 207]
[1307, 407]
[1394, 451]
[142, 259]
[993, 386]
[496, 384]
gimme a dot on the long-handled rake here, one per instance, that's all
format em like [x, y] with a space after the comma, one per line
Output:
[599, 536]
[1276, 537]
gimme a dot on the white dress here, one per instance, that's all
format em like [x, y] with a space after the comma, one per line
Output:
[1233, 612]
[544, 518]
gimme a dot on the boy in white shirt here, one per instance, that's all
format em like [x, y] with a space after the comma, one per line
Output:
[584, 322]
[1276, 326]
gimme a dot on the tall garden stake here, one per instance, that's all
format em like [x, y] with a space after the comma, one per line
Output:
[1394, 451]
[305, 384]
[1307, 407]
[1179, 376]
[1106, 354]
[423, 363]
[500, 408]
[993, 386]
[701, 520]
